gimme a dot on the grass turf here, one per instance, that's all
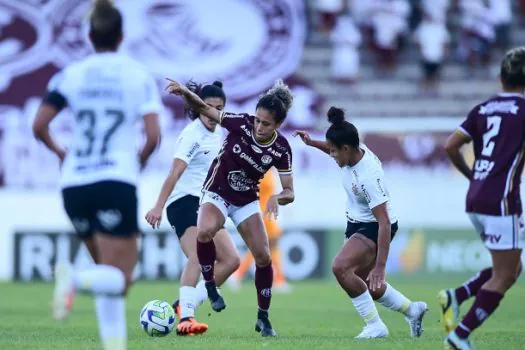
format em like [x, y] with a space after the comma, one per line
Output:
[317, 315]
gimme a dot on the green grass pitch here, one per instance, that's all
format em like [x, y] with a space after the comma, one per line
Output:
[317, 315]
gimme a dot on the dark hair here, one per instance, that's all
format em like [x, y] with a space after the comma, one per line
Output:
[204, 92]
[341, 132]
[277, 100]
[105, 25]
[513, 68]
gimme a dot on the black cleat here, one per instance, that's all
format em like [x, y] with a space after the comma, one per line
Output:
[263, 325]
[216, 300]
[176, 308]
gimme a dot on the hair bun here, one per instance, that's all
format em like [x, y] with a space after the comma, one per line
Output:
[336, 115]
[217, 83]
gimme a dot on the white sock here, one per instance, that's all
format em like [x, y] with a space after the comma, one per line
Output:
[394, 300]
[101, 279]
[365, 306]
[187, 301]
[111, 315]
[107, 284]
[201, 293]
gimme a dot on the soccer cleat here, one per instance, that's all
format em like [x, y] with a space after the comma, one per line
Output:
[263, 325]
[189, 326]
[417, 309]
[375, 330]
[64, 293]
[453, 342]
[216, 300]
[176, 308]
[449, 309]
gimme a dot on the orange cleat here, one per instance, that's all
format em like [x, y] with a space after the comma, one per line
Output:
[191, 327]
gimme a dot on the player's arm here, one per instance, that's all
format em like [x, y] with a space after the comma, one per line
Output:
[305, 137]
[287, 195]
[52, 104]
[152, 131]
[192, 99]
[453, 148]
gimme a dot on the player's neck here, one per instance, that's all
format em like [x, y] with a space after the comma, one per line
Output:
[105, 50]
[356, 157]
[518, 90]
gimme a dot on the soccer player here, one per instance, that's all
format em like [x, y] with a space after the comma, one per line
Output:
[108, 93]
[496, 128]
[266, 190]
[197, 146]
[251, 148]
[371, 225]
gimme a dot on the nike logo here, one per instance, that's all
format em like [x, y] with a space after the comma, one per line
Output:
[206, 152]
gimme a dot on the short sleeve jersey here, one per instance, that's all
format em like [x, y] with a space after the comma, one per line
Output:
[242, 161]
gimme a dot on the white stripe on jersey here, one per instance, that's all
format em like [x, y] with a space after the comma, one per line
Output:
[508, 182]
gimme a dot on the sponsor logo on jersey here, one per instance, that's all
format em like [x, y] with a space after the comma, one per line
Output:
[380, 187]
[246, 130]
[252, 162]
[238, 181]
[266, 159]
[109, 218]
[192, 150]
[80, 224]
[499, 107]
[482, 169]
[256, 149]
[236, 149]
[275, 153]
[354, 189]
[365, 194]
[207, 151]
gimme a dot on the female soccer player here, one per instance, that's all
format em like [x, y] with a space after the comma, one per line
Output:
[108, 93]
[251, 148]
[197, 146]
[497, 129]
[371, 225]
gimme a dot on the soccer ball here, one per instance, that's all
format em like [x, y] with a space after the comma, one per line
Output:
[157, 318]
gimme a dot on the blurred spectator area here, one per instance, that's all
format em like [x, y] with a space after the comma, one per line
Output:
[409, 57]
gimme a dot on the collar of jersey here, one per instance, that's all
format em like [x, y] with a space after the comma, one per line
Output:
[269, 143]
[510, 94]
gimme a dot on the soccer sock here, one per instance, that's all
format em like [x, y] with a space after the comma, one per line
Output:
[246, 262]
[278, 277]
[101, 279]
[394, 300]
[263, 284]
[206, 254]
[111, 315]
[486, 303]
[365, 306]
[201, 293]
[187, 301]
[107, 283]
[473, 285]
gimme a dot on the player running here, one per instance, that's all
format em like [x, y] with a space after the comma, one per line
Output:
[251, 148]
[497, 129]
[197, 146]
[371, 225]
[108, 93]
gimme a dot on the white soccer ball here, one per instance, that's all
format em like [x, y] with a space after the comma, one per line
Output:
[157, 318]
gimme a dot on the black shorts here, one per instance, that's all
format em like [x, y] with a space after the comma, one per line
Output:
[431, 69]
[108, 207]
[183, 213]
[368, 229]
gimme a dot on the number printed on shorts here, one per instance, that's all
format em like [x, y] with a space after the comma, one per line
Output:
[493, 126]
[89, 118]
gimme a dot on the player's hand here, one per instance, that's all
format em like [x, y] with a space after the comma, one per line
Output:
[376, 278]
[176, 88]
[154, 217]
[272, 208]
[304, 135]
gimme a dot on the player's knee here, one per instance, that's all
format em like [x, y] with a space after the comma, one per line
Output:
[262, 258]
[340, 267]
[233, 262]
[505, 279]
[206, 233]
[193, 259]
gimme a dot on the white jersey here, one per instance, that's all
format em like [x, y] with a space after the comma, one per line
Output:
[107, 94]
[365, 187]
[197, 147]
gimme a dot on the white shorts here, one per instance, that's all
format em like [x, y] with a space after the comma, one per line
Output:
[237, 214]
[499, 232]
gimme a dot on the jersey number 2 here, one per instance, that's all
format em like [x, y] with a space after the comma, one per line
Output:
[89, 132]
[493, 126]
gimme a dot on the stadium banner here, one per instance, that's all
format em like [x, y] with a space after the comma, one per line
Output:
[160, 256]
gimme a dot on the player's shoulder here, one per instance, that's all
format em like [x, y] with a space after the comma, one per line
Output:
[191, 130]
[281, 142]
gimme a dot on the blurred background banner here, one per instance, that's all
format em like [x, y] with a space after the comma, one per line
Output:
[406, 71]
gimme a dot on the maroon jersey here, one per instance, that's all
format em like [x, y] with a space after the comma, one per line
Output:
[242, 161]
[497, 128]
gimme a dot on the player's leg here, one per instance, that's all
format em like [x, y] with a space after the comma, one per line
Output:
[450, 299]
[211, 218]
[228, 259]
[250, 225]
[502, 239]
[182, 216]
[91, 247]
[279, 280]
[357, 253]
[246, 262]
